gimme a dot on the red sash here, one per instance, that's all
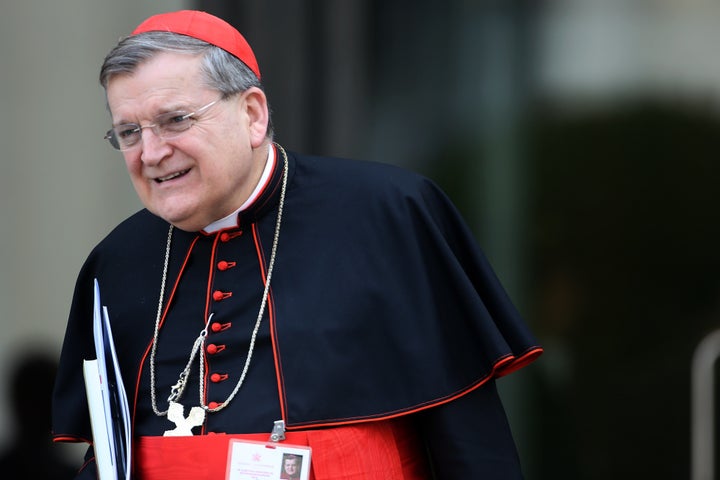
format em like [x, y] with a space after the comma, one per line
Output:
[384, 450]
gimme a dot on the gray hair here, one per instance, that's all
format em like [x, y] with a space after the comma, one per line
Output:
[221, 70]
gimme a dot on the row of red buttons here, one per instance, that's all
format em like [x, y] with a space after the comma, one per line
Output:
[218, 296]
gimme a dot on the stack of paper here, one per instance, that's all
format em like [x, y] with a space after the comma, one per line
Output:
[107, 401]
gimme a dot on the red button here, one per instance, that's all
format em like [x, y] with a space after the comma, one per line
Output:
[219, 327]
[223, 265]
[220, 295]
[226, 236]
[213, 405]
[217, 377]
[212, 349]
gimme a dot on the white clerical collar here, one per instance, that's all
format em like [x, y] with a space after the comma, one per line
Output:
[231, 220]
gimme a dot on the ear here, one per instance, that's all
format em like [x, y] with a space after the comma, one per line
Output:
[258, 115]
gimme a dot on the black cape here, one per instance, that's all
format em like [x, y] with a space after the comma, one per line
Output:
[381, 305]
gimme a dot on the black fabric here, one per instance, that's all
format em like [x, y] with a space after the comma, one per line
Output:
[381, 304]
[470, 438]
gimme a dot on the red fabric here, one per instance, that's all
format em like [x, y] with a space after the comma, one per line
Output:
[384, 450]
[205, 27]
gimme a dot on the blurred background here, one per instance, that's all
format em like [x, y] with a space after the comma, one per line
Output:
[578, 138]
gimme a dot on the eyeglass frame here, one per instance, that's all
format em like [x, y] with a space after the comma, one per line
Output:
[157, 127]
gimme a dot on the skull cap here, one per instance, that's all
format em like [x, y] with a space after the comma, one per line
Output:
[205, 27]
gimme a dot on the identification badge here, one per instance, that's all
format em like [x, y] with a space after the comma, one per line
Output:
[248, 460]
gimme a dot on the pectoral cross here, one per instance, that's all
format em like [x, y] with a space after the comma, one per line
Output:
[183, 425]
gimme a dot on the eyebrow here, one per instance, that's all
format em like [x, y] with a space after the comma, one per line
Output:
[163, 111]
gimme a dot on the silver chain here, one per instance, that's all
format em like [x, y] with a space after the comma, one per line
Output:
[177, 390]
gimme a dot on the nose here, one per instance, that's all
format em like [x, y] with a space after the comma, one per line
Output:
[154, 148]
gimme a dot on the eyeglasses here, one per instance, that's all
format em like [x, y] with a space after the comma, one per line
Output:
[166, 126]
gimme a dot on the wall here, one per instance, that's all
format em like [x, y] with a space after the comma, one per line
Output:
[61, 187]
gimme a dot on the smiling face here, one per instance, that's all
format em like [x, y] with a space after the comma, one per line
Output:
[206, 172]
[291, 466]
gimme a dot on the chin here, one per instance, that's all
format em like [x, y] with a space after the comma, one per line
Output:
[183, 222]
[187, 225]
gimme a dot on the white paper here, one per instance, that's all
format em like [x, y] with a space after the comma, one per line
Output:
[107, 400]
[96, 394]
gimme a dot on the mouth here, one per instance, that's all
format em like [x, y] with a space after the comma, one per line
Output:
[172, 176]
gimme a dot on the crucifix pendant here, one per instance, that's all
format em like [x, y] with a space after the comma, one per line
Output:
[183, 425]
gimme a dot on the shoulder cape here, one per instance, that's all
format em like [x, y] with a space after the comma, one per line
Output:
[382, 304]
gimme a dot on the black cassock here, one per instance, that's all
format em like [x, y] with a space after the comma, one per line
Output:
[381, 305]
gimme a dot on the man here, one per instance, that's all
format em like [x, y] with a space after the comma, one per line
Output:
[291, 467]
[342, 304]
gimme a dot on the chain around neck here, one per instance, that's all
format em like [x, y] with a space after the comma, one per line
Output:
[177, 390]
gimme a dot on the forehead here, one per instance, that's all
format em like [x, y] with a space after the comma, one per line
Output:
[166, 80]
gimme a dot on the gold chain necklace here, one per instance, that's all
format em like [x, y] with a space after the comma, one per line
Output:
[177, 390]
